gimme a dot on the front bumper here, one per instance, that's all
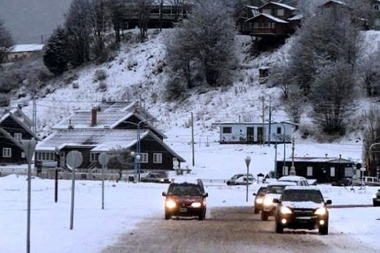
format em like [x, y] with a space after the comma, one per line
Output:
[302, 222]
[185, 211]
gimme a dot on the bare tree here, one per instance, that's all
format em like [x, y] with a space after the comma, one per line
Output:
[6, 41]
[78, 25]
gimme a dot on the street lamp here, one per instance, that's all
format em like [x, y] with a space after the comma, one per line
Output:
[136, 157]
[247, 162]
[137, 154]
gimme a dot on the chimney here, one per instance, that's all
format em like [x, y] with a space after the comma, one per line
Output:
[93, 116]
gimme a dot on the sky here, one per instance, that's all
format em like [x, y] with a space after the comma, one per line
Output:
[133, 74]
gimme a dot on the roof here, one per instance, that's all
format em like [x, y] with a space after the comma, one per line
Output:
[20, 117]
[268, 16]
[26, 48]
[98, 140]
[251, 123]
[318, 159]
[279, 4]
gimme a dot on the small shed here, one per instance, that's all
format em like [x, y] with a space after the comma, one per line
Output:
[323, 169]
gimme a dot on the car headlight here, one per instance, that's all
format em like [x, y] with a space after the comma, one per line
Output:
[259, 200]
[321, 211]
[374, 196]
[170, 204]
[267, 201]
[285, 210]
[196, 204]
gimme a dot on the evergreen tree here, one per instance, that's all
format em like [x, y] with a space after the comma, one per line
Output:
[56, 52]
[6, 41]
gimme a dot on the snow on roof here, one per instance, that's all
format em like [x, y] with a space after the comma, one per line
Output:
[278, 20]
[104, 139]
[26, 48]
[281, 5]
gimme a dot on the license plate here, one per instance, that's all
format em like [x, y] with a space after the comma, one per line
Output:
[183, 210]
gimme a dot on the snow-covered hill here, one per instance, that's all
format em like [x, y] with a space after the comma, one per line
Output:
[135, 74]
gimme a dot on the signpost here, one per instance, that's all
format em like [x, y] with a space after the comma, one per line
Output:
[103, 160]
[73, 159]
[247, 162]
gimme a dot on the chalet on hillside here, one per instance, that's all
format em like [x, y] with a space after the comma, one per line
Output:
[154, 15]
[23, 51]
[323, 169]
[15, 127]
[270, 19]
[255, 133]
[104, 129]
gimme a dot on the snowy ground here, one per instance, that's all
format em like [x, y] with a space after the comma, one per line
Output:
[126, 204]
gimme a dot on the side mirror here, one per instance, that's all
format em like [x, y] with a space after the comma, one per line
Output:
[205, 195]
[276, 201]
[254, 194]
[164, 194]
[328, 202]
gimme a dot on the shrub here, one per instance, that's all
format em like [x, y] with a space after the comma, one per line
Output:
[4, 100]
[100, 75]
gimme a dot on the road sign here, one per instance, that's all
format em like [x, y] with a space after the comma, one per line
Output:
[74, 159]
[103, 159]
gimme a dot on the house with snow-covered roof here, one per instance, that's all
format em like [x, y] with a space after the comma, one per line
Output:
[15, 127]
[23, 51]
[105, 128]
[270, 19]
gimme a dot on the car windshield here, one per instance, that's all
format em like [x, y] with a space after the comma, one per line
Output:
[302, 196]
[180, 190]
[276, 189]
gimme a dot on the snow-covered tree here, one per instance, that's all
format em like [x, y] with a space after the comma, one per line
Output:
[78, 25]
[6, 41]
[333, 96]
[56, 55]
[203, 45]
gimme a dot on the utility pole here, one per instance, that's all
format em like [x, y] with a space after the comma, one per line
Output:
[263, 116]
[270, 121]
[192, 138]
[34, 115]
[292, 168]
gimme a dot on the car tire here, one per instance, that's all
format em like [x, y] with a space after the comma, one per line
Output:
[167, 216]
[202, 216]
[324, 230]
[264, 215]
[256, 211]
[279, 228]
[375, 204]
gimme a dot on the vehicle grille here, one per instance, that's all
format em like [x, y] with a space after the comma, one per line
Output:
[304, 212]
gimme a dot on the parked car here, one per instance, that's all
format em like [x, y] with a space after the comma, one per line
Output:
[346, 181]
[241, 179]
[274, 190]
[185, 199]
[376, 198]
[259, 199]
[302, 207]
[296, 179]
[155, 177]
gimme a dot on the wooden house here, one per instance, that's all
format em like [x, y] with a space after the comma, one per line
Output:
[270, 19]
[374, 22]
[104, 129]
[15, 127]
[255, 133]
[323, 169]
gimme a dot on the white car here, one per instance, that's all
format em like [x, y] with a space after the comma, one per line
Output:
[241, 179]
[274, 191]
[301, 181]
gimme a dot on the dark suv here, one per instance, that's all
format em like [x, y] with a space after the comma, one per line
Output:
[185, 199]
[302, 208]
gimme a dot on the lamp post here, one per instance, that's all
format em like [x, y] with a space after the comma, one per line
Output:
[247, 162]
[283, 139]
[137, 154]
[29, 147]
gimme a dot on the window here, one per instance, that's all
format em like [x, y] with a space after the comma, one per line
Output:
[7, 152]
[376, 7]
[143, 157]
[285, 171]
[227, 130]
[332, 172]
[45, 156]
[279, 130]
[18, 136]
[267, 11]
[280, 12]
[309, 171]
[157, 158]
[94, 157]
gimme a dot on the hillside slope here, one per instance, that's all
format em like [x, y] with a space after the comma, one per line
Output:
[138, 73]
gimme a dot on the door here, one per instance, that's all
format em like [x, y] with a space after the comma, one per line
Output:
[250, 134]
[260, 134]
